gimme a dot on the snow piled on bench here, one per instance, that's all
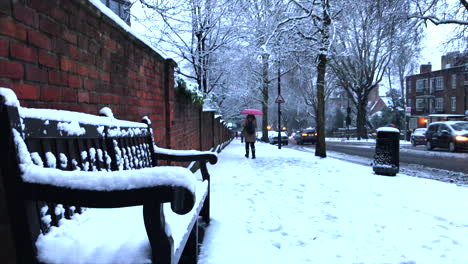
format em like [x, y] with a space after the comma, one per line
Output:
[10, 97]
[70, 116]
[182, 152]
[110, 236]
[102, 180]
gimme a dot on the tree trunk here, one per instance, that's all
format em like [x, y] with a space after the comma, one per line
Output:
[401, 76]
[204, 67]
[320, 148]
[265, 96]
[361, 119]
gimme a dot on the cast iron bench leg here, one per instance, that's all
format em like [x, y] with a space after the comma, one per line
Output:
[205, 212]
[162, 245]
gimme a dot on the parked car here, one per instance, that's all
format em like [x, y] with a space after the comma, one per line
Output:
[418, 137]
[259, 135]
[448, 134]
[273, 137]
[308, 135]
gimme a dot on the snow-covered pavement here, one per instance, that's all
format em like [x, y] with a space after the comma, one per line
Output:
[289, 206]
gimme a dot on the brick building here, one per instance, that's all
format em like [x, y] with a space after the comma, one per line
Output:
[438, 95]
[376, 102]
[119, 7]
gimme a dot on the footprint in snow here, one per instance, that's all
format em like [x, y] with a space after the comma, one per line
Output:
[276, 244]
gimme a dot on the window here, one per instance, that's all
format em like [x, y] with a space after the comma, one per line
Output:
[421, 85]
[439, 104]
[453, 104]
[443, 127]
[119, 7]
[408, 86]
[408, 102]
[419, 104]
[454, 81]
[433, 128]
[432, 84]
[439, 84]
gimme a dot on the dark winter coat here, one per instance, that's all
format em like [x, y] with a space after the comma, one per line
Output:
[250, 137]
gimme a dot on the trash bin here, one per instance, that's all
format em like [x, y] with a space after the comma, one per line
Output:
[387, 151]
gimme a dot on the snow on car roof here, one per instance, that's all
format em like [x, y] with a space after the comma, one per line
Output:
[449, 122]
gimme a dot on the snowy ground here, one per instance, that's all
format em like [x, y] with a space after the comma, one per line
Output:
[288, 206]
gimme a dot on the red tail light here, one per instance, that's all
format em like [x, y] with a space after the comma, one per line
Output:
[316, 134]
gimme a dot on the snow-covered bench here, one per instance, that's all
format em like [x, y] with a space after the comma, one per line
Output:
[51, 157]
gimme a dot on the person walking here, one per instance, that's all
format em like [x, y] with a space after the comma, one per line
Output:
[249, 131]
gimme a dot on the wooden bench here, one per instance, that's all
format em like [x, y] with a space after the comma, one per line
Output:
[77, 160]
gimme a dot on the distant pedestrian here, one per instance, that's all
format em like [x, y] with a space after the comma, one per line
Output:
[249, 131]
[242, 136]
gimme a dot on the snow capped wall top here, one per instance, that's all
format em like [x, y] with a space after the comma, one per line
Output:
[104, 9]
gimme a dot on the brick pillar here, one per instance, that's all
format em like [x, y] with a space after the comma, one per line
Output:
[200, 127]
[169, 67]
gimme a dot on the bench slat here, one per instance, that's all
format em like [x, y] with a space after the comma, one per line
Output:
[109, 199]
[38, 128]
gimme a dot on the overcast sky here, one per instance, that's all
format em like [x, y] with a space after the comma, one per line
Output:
[433, 47]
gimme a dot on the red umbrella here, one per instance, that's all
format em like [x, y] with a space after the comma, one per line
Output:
[251, 112]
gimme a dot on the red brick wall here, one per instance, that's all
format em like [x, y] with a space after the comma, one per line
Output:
[185, 127]
[66, 54]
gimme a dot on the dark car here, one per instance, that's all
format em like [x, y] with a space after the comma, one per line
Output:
[306, 136]
[448, 134]
[418, 137]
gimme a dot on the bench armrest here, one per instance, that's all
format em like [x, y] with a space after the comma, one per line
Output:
[185, 155]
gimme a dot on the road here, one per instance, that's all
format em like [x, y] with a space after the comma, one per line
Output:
[437, 164]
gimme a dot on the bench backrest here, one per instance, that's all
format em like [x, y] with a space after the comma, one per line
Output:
[69, 141]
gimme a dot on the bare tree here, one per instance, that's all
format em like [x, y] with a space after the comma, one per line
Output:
[436, 12]
[404, 59]
[258, 27]
[444, 12]
[309, 89]
[233, 93]
[194, 30]
[364, 50]
[315, 26]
